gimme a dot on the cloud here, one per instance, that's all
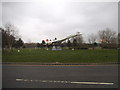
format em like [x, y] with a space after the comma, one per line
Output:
[38, 21]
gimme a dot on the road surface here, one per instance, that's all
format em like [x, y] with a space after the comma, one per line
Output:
[60, 76]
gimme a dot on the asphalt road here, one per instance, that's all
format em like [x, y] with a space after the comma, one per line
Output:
[37, 76]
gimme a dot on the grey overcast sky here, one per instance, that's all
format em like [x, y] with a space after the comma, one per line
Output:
[38, 21]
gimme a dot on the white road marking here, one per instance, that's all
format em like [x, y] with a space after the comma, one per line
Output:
[19, 79]
[102, 83]
[92, 83]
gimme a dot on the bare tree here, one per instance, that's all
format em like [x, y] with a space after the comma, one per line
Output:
[119, 38]
[12, 34]
[92, 38]
[0, 38]
[107, 36]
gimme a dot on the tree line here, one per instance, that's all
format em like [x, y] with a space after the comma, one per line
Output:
[10, 37]
[106, 38]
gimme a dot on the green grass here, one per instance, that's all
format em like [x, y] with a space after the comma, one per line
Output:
[64, 56]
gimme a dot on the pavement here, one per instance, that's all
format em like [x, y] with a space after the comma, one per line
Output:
[58, 63]
[56, 75]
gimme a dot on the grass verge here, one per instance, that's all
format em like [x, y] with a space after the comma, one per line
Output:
[64, 56]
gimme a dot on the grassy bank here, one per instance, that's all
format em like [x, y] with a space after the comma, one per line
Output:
[64, 56]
